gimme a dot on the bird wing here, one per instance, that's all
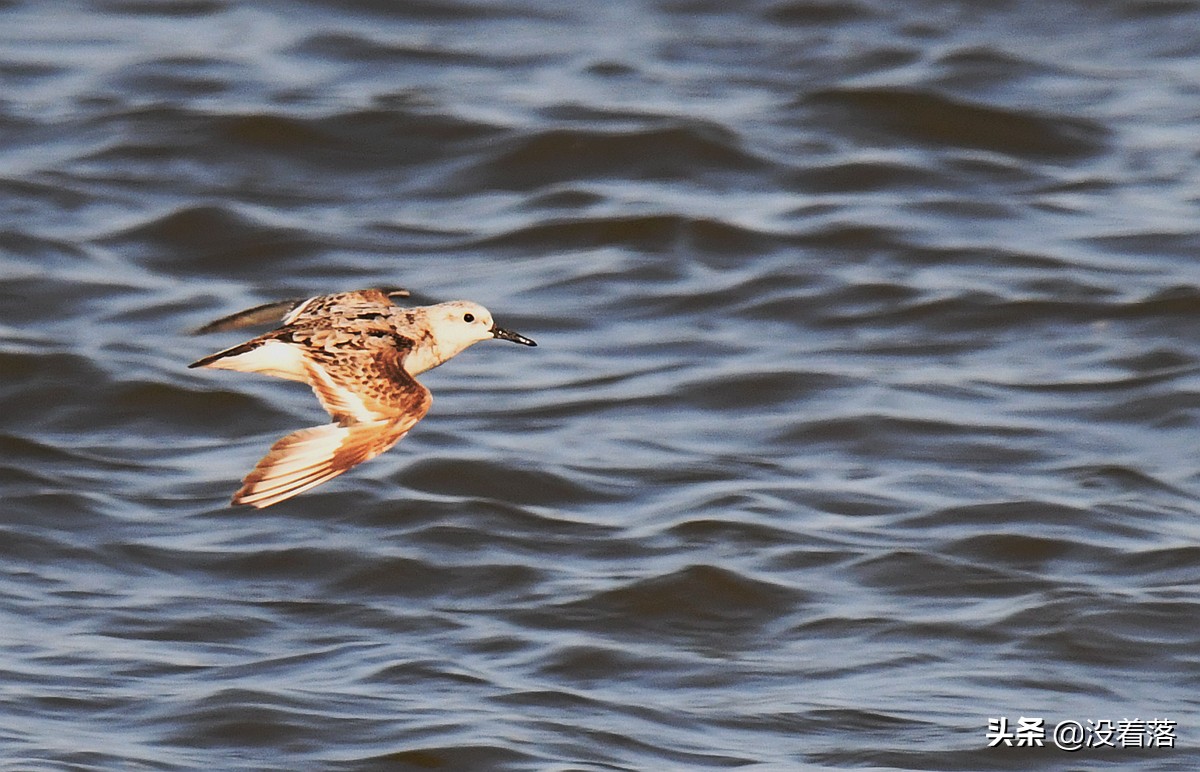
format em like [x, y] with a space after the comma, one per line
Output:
[266, 354]
[285, 311]
[315, 323]
[267, 312]
[345, 305]
[375, 402]
[368, 385]
[309, 457]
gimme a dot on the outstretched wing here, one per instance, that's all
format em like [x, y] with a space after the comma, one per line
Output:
[265, 354]
[284, 311]
[375, 402]
[264, 314]
[305, 320]
[309, 457]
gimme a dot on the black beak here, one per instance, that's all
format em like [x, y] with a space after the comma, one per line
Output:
[513, 336]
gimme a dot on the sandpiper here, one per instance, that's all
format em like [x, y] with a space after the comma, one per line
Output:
[360, 353]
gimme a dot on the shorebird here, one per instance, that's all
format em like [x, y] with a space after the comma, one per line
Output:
[360, 353]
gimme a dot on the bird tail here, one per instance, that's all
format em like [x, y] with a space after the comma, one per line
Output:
[309, 457]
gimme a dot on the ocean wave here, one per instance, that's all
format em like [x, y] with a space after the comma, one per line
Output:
[939, 120]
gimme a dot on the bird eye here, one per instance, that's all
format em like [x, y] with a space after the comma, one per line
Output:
[468, 318]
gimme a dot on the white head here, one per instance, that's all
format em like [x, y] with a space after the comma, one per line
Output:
[461, 323]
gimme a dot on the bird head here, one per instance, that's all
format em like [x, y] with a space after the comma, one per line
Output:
[461, 323]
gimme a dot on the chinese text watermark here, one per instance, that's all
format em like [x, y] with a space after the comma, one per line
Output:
[1070, 735]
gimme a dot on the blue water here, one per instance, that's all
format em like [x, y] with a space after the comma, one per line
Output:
[864, 408]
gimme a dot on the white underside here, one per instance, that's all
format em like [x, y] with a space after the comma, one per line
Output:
[271, 358]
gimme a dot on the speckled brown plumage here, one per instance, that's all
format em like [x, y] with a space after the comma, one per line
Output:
[360, 353]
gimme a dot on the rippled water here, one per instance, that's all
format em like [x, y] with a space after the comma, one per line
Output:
[865, 408]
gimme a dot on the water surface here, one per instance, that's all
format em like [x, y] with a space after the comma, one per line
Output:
[865, 407]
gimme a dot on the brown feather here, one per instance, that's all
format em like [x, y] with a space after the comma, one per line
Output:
[359, 352]
[309, 457]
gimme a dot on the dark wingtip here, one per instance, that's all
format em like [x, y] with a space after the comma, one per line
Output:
[205, 360]
[229, 352]
[264, 314]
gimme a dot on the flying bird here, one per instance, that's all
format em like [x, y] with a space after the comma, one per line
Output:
[361, 354]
